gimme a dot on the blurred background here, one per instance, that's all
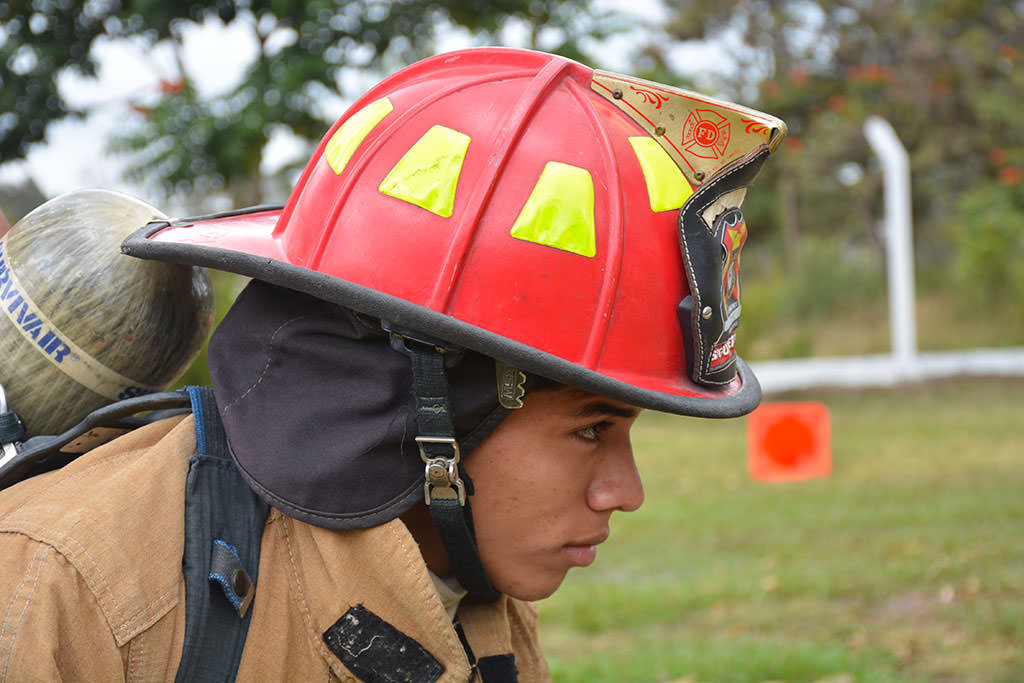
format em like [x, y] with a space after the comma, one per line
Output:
[905, 563]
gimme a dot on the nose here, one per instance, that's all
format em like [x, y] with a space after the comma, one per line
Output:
[616, 483]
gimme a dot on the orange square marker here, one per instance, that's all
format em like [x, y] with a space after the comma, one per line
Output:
[789, 441]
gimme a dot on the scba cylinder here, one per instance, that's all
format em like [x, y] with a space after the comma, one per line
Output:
[81, 324]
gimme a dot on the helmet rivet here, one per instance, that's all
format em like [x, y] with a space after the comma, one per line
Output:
[706, 312]
[699, 175]
[660, 130]
[617, 94]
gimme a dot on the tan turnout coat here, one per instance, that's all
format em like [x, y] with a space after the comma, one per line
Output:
[91, 587]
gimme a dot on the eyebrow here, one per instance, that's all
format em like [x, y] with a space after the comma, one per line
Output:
[599, 407]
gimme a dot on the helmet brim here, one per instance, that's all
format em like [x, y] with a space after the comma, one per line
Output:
[247, 242]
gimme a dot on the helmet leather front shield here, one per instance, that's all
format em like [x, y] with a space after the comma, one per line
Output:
[719, 147]
[712, 231]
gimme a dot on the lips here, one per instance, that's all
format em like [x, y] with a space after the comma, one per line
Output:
[582, 552]
[596, 539]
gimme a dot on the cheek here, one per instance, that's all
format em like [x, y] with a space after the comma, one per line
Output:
[499, 468]
[524, 474]
[495, 496]
[510, 488]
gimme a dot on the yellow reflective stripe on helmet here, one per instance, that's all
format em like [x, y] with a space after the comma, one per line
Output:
[667, 187]
[428, 173]
[560, 211]
[351, 134]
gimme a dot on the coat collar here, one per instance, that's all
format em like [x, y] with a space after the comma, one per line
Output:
[343, 569]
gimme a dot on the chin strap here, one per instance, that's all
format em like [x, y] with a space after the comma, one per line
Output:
[446, 487]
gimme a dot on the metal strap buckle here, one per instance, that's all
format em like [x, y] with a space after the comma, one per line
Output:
[441, 474]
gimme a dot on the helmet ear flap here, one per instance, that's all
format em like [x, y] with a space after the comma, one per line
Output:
[711, 234]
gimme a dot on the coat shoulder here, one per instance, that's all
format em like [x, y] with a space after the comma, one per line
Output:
[115, 515]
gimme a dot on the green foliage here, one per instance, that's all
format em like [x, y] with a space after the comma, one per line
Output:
[786, 299]
[946, 75]
[831, 277]
[989, 234]
[37, 39]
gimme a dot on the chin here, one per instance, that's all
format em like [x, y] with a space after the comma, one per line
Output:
[531, 595]
[530, 590]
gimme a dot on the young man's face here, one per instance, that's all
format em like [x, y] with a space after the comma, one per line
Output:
[546, 482]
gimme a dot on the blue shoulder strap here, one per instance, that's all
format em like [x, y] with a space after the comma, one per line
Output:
[224, 523]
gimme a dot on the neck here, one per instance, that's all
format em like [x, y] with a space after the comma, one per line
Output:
[417, 519]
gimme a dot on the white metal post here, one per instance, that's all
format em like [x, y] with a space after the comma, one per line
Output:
[898, 235]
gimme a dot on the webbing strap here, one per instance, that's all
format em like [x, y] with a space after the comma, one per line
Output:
[224, 522]
[455, 526]
[450, 511]
[11, 427]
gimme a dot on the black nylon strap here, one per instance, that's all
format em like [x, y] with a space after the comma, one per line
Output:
[11, 427]
[434, 421]
[433, 408]
[454, 524]
[219, 509]
[498, 669]
[44, 453]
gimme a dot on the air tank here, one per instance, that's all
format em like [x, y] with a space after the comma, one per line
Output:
[81, 324]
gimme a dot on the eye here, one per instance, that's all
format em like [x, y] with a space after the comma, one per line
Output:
[592, 433]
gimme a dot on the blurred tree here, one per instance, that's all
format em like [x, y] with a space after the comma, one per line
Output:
[946, 74]
[195, 144]
[36, 40]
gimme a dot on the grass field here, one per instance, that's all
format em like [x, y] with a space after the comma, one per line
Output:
[906, 564]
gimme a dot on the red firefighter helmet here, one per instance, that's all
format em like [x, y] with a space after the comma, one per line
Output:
[529, 208]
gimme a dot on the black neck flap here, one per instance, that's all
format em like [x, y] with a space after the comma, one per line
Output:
[320, 410]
